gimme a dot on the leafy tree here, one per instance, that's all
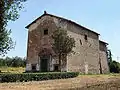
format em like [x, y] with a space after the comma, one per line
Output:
[62, 44]
[13, 62]
[114, 66]
[8, 12]
[109, 55]
[17, 62]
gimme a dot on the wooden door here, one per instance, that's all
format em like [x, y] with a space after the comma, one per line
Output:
[44, 65]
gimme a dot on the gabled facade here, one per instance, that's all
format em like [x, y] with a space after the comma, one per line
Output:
[90, 53]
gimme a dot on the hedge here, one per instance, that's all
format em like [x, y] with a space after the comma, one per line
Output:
[24, 77]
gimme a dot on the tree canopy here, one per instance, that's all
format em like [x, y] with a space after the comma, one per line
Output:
[9, 11]
[62, 44]
[12, 62]
[114, 66]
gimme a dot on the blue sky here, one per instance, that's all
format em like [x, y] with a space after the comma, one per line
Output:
[102, 16]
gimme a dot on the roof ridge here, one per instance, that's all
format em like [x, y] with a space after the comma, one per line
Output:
[61, 18]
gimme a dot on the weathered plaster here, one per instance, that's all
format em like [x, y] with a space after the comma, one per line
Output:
[87, 53]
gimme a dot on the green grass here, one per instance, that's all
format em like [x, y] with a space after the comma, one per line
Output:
[22, 69]
[108, 74]
[12, 69]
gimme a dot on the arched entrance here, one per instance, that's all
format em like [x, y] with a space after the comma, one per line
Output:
[45, 59]
[44, 63]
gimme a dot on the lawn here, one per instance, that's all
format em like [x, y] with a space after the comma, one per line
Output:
[82, 82]
[12, 69]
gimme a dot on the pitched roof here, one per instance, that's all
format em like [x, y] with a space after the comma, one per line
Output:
[63, 19]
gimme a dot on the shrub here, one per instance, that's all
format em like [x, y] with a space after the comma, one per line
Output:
[24, 77]
[114, 67]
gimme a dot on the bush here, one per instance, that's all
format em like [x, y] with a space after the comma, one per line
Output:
[114, 67]
[24, 77]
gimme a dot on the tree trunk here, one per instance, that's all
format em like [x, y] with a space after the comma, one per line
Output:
[60, 62]
[64, 62]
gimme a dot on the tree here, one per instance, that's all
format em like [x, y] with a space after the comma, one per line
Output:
[114, 66]
[8, 12]
[13, 62]
[109, 55]
[18, 62]
[62, 44]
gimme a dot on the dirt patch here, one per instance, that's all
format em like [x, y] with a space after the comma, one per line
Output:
[83, 82]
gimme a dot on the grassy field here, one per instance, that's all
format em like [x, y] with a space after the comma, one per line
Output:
[12, 69]
[82, 82]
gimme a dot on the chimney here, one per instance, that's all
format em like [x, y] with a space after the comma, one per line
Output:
[45, 12]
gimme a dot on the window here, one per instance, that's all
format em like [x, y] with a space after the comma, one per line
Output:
[46, 32]
[85, 37]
